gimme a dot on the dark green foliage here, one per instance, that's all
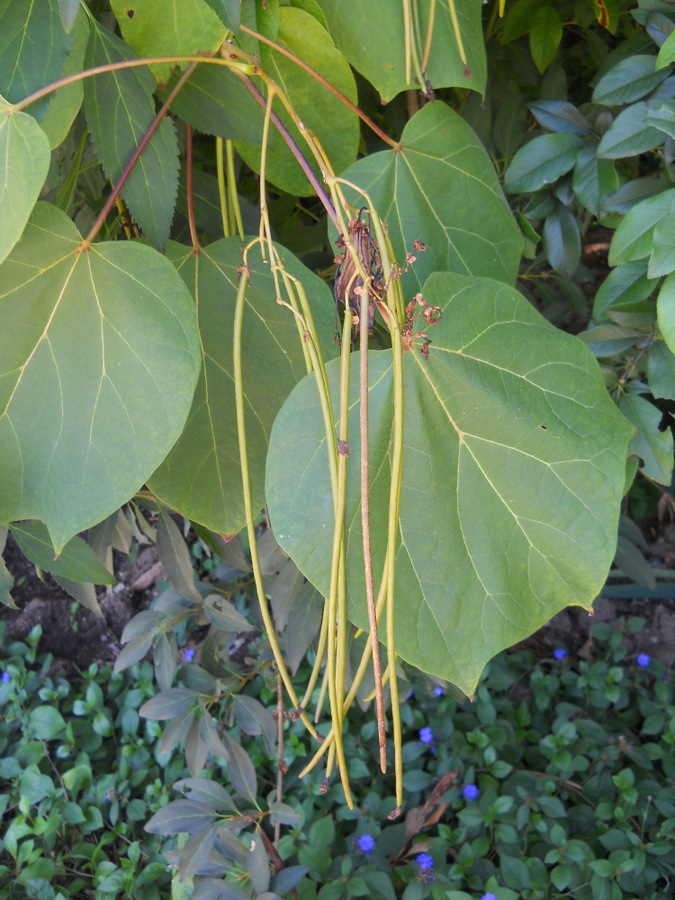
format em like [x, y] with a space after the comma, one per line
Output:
[556, 780]
[80, 773]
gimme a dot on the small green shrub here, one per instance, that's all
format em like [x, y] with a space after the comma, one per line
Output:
[557, 780]
[80, 774]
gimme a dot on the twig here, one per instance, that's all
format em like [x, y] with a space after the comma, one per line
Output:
[147, 137]
[330, 87]
[295, 150]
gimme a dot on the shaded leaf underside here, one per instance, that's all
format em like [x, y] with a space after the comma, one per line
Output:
[98, 363]
[514, 462]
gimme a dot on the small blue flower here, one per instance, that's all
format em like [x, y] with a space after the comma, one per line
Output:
[426, 736]
[411, 694]
[470, 792]
[366, 844]
[188, 655]
[425, 862]
[560, 653]
[488, 896]
[5, 677]
[643, 660]
[438, 690]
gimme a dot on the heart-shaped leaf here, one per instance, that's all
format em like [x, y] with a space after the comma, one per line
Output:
[201, 477]
[513, 472]
[442, 189]
[99, 358]
[323, 114]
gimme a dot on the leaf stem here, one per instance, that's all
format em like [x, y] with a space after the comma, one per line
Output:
[396, 304]
[430, 35]
[190, 189]
[458, 37]
[233, 197]
[293, 147]
[356, 681]
[245, 477]
[135, 156]
[365, 528]
[222, 188]
[238, 63]
[323, 81]
[336, 599]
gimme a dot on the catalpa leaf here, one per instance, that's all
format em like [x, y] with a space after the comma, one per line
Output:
[373, 38]
[440, 188]
[323, 114]
[513, 471]
[169, 28]
[99, 358]
[201, 477]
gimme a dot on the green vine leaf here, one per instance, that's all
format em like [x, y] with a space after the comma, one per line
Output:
[372, 37]
[169, 28]
[201, 476]
[33, 48]
[335, 126]
[99, 358]
[441, 188]
[546, 31]
[120, 108]
[513, 471]
[24, 156]
[76, 562]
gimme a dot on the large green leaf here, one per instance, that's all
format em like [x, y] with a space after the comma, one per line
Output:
[372, 37]
[513, 472]
[99, 358]
[635, 236]
[201, 477]
[335, 126]
[542, 161]
[169, 28]
[24, 163]
[120, 109]
[441, 188]
[32, 48]
[546, 31]
[214, 101]
[630, 134]
[630, 80]
[562, 241]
